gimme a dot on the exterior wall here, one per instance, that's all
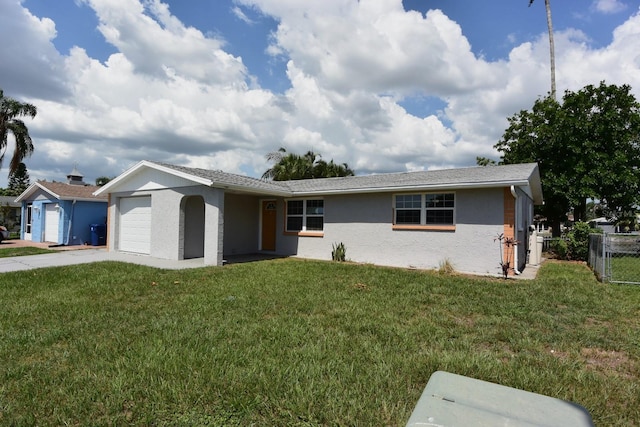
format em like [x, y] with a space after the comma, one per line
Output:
[364, 224]
[242, 224]
[509, 230]
[39, 200]
[524, 219]
[518, 216]
[167, 235]
[192, 224]
[76, 220]
[81, 216]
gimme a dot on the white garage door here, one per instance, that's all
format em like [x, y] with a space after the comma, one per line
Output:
[135, 224]
[51, 223]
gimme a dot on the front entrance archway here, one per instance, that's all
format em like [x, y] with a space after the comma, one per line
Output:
[193, 226]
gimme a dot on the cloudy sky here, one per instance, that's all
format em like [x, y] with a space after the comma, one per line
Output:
[384, 85]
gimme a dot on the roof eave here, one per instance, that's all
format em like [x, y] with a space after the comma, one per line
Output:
[252, 190]
[82, 199]
[418, 187]
[31, 189]
[151, 165]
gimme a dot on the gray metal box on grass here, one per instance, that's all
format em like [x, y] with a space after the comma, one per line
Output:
[451, 400]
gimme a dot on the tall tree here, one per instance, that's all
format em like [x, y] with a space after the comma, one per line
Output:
[290, 166]
[10, 113]
[588, 147]
[552, 50]
[19, 180]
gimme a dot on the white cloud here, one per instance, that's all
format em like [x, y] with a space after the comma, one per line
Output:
[241, 15]
[173, 93]
[609, 6]
[156, 41]
[367, 46]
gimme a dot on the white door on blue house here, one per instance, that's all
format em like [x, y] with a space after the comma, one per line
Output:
[51, 222]
[27, 222]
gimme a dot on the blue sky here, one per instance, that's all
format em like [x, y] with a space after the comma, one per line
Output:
[384, 85]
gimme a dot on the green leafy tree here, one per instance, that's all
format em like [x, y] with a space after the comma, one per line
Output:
[291, 166]
[19, 180]
[102, 180]
[588, 147]
[485, 161]
[11, 112]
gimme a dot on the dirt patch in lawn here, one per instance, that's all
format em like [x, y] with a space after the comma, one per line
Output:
[608, 361]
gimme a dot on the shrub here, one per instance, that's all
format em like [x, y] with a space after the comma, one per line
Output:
[560, 248]
[339, 252]
[578, 241]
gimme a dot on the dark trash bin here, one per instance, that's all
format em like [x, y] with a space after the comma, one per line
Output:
[98, 234]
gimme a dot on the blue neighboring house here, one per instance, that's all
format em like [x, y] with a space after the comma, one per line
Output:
[62, 213]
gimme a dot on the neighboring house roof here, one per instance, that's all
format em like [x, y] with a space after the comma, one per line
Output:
[521, 175]
[63, 191]
[9, 200]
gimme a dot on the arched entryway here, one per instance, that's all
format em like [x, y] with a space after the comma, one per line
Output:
[192, 227]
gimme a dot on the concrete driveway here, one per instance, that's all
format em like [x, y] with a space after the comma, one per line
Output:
[71, 255]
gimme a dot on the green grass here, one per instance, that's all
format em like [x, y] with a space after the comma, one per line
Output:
[292, 342]
[625, 268]
[22, 251]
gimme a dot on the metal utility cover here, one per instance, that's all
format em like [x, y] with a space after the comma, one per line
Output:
[455, 400]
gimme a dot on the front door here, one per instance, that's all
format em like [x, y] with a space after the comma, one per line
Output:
[268, 225]
[27, 222]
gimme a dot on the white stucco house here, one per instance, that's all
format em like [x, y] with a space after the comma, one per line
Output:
[412, 219]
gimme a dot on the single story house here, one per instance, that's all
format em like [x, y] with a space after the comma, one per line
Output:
[10, 212]
[62, 213]
[412, 219]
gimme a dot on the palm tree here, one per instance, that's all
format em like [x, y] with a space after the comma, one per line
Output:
[10, 113]
[552, 52]
[290, 166]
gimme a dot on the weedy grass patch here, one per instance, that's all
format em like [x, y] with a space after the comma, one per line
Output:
[294, 342]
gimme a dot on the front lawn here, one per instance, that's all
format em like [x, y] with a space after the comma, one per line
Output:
[10, 251]
[292, 342]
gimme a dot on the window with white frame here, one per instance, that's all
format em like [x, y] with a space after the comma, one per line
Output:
[305, 215]
[424, 209]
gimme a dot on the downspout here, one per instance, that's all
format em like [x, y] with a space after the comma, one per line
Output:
[515, 229]
[73, 205]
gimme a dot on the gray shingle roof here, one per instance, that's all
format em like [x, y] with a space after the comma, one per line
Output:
[226, 179]
[463, 177]
[473, 177]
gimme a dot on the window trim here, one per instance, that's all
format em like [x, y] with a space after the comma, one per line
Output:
[423, 213]
[304, 232]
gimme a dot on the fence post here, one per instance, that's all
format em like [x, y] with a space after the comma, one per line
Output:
[604, 257]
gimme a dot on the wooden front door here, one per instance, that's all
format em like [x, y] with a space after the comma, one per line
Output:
[269, 225]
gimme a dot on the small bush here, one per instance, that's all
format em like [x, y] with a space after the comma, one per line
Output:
[560, 248]
[578, 241]
[339, 252]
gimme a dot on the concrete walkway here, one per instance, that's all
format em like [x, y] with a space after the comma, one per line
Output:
[71, 255]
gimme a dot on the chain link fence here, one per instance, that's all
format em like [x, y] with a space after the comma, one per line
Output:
[615, 257]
